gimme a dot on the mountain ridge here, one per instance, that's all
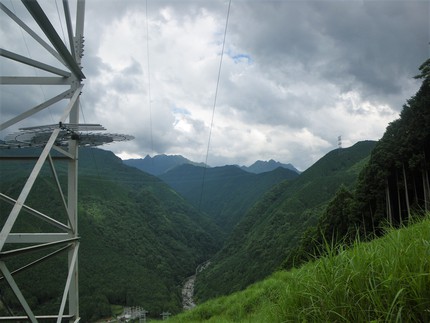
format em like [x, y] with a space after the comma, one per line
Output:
[225, 193]
[161, 164]
[261, 166]
[273, 226]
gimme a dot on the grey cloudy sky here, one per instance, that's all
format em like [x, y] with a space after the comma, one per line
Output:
[295, 74]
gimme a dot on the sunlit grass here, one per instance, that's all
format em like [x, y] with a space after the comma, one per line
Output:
[386, 280]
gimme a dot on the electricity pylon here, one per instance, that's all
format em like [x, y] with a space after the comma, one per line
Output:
[63, 137]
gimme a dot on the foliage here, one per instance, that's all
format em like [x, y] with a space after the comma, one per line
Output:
[139, 239]
[392, 184]
[396, 180]
[386, 280]
[272, 228]
[333, 226]
[224, 193]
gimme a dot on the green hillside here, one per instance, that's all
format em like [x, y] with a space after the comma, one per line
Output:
[393, 185]
[273, 226]
[224, 193]
[139, 239]
[386, 280]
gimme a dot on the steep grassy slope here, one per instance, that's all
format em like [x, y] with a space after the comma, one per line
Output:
[272, 228]
[224, 193]
[386, 280]
[139, 239]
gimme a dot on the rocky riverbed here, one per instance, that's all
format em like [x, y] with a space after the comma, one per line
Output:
[188, 288]
[188, 293]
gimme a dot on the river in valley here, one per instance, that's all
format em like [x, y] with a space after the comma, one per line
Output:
[188, 288]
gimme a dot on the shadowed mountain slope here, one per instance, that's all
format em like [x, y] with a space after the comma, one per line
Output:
[224, 193]
[139, 238]
[273, 226]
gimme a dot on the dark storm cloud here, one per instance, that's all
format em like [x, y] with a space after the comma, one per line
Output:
[371, 46]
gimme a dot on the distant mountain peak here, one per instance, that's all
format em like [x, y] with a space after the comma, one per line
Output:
[261, 166]
[159, 164]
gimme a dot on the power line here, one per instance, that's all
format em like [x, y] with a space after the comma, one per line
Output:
[61, 22]
[149, 77]
[215, 99]
[34, 69]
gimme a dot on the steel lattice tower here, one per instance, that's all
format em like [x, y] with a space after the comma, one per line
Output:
[64, 137]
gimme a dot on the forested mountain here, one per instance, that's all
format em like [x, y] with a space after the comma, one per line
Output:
[261, 166]
[139, 239]
[393, 185]
[159, 164]
[273, 226]
[396, 181]
[224, 193]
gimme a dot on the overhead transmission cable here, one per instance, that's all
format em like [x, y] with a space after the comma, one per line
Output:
[214, 105]
[149, 78]
[34, 69]
[61, 22]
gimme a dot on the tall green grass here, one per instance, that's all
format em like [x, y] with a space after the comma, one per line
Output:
[386, 280]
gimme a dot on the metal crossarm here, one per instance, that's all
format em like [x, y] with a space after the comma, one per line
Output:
[31, 32]
[34, 63]
[39, 16]
[64, 137]
[36, 109]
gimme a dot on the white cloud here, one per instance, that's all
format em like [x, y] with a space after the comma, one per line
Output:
[295, 74]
